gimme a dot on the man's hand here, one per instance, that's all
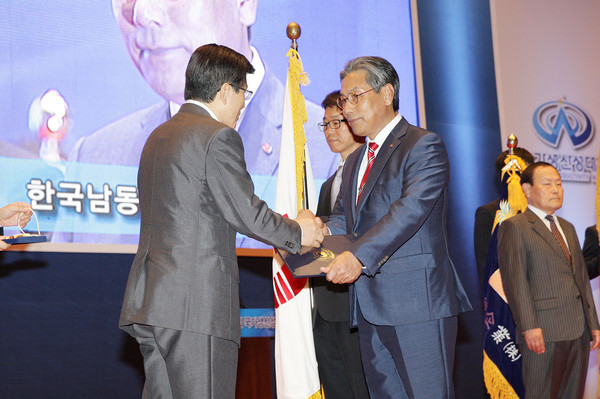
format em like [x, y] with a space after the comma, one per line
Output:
[595, 340]
[312, 228]
[325, 229]
[345, 268]
[535, 340]
[17, 210]
[3, 245]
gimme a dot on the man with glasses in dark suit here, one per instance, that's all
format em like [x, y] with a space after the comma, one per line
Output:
[336, 343]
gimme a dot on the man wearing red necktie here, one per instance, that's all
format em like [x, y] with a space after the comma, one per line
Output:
[405, 293]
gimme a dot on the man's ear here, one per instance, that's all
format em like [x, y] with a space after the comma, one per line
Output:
[526, 189]
[248, 11]
[388, 93]
[224, 93]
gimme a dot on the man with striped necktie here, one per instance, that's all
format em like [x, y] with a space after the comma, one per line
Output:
[548, 290]
[405, 293]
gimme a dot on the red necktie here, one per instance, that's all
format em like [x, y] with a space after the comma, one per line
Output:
[558, 237]
[372, 147]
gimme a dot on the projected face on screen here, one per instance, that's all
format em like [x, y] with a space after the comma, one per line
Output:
[162, 35]
[120, 70]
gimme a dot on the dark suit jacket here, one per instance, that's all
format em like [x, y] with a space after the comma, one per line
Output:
[484, 221]
[400, 223]
[195, 194]
[324, 205]
[590, 252]
[331, 300]
[543, 289]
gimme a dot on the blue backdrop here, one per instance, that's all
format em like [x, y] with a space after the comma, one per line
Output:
[461, 105]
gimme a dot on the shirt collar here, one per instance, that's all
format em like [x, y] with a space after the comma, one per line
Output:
[385, 132]
[541, 214]
[204, 106]
[253, 80]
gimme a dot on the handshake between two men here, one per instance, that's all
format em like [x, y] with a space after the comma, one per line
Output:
[313, 228]
[345, 268]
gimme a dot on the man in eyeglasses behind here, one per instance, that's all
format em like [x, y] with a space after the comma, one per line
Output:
[336, 345]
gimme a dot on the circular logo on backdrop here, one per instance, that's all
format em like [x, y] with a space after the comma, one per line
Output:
[554, 119]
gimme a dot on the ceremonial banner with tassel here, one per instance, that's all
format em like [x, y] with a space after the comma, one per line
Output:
[501, 358]
[295, 360]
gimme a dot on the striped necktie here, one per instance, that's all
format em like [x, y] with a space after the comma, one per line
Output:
[372, 147]
[558, 237]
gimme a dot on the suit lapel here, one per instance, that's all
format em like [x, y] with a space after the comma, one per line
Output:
[391, 143]
[351, 167]
[576, 265]
[571, 237]
[570, 234]
[324, 206]
[540, 228]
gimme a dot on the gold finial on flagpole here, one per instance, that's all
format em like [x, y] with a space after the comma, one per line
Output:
[516, 198]
[512, 143]
[293, 32]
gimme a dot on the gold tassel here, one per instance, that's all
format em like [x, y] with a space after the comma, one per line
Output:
[297, 77]
[317, 395]
[497, 386]
[516, 197]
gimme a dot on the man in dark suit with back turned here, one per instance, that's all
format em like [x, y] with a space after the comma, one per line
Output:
[182, 301]
[336, 344]
[548, 290]
[406, 292]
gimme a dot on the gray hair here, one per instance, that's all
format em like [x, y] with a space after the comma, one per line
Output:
[379, 73]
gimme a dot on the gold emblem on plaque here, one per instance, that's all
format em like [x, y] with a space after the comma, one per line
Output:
[324, 254]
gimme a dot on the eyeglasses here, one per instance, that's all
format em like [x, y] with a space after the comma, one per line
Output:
[351, 98]
[332, 124]
[247, 93]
